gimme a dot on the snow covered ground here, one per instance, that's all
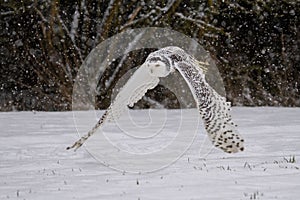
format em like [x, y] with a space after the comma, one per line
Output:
[35, 165]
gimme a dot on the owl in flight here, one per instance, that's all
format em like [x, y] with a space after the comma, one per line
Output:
[212, 107]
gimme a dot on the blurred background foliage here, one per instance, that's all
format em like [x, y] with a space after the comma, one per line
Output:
[255, 45]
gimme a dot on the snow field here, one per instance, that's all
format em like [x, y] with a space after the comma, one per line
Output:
[35, 165]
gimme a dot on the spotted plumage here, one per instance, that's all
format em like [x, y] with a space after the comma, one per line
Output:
[212, 107]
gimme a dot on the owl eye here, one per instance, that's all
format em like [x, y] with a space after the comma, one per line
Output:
[154, 59]
[157, 65]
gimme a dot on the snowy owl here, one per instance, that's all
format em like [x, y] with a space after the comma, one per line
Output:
[212, 107]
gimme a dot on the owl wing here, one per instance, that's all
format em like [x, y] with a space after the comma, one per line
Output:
[213, 109]
[133, 90]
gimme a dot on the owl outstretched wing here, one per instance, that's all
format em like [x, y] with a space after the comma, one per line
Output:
[133, 90]
[213, 108]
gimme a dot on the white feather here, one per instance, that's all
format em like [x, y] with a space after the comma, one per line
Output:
[212, 107]
[134, 89]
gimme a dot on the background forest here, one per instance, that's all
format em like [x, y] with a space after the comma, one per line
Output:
[255, 45]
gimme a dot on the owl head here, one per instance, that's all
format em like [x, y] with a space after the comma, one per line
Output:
[158, 65]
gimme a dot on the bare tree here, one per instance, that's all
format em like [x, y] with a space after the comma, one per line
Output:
[43, 43]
